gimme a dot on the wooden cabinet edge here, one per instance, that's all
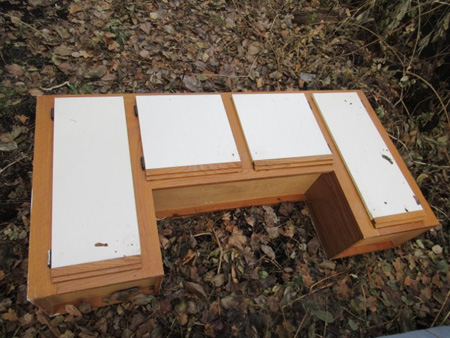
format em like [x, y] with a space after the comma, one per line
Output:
[55, 304]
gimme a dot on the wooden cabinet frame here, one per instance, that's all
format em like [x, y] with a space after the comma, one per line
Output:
[339, 215]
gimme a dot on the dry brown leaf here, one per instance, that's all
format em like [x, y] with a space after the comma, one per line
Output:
[426, 293]
[113, 45]
[237, 239]
[75, 8]
[35, 92]
[164, 242]
[72, 310]
[27, 319]
[14, 70]
[233, 274]
[189, 256]
[10, 316]
[268, 251]
[218, 280]
[63, 50]
[313, 245]
[343, 291]
[195, 288]
[270, 216]
[145, 54]
[254, 48]
[250, 219]
[259, 82]
[273, 232]
[192, 83]
[182, 319]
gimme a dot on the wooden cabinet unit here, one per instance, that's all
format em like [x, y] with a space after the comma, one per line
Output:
[106, 167]
[93, 229]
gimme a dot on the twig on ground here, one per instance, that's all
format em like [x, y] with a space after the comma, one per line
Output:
[445, 318]
[15, 18]
[440, 310]
[55, 87]
[443, 213]
[444, 108]
[365, 301]
[301, 323]
[220, 248]
[12, 163]
[381, 41]
[324, 279]
[417, 38]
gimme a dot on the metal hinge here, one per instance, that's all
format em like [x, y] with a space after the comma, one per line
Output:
[142, 163]
[52, 114]
[136, 113]
[49, 258]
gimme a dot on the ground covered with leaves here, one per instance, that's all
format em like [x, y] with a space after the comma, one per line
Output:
[260, 271]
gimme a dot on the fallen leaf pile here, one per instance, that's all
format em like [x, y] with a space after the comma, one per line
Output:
[259, 271]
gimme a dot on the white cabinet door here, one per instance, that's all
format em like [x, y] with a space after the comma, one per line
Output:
[93, 204]
[375, 173]
[185, 130]
[278, 126]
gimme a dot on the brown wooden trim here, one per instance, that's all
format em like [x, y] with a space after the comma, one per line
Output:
[407, 217]
[93, 273]
[188, 175]
[238, 133]
[293, 162]
[39, 284]
[410, 226]
[94, 267]
[244, 175]
[185, 170]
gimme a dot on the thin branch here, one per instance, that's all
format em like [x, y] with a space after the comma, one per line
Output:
[220, 248]
[12, 163]
[418, 35]
[439, 210]
[67, 83]
[440, 310]
[379, 38]
[445, 318]
[15, 18]
[301, 323]
[434, 91]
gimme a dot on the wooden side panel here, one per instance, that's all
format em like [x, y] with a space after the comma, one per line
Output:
[193, 210]
[170, 201]
[100, 296]
[332, 216]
